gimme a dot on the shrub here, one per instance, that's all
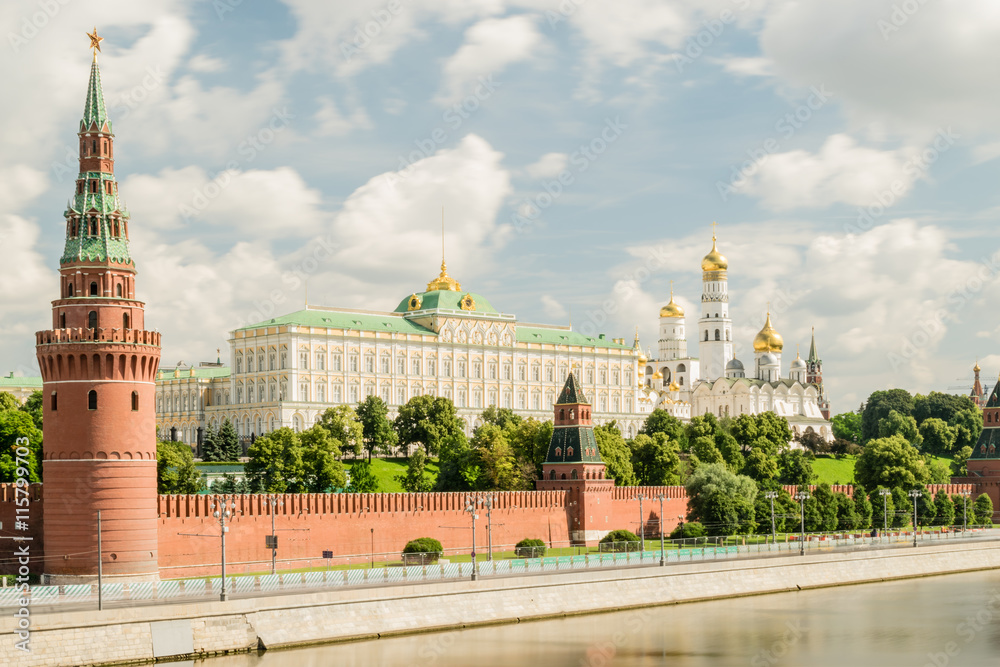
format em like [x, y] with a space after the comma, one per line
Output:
[421, 551]
[530, 548]
[688, 530]
[620, 540]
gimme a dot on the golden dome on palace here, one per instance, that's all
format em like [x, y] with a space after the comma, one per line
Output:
[657, 375]
[715, 260]
[672, 309]
[768, 340]
[444, 282]
[674, 387]
[976, 368]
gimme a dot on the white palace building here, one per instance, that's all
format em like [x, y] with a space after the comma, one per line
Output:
[448, 342]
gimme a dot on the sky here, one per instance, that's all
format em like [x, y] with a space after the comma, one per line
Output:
[580, 151]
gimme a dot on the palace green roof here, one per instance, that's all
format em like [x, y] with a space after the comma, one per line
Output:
[206, 372]
[560, 336]
[343, 320]
[21, 382]
[446, 300]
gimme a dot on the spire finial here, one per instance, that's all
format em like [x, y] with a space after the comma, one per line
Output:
[442, 238]
[671, 290]
[95, 41]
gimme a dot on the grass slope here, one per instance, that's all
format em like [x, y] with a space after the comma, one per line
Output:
[386, 470]
[834, 471]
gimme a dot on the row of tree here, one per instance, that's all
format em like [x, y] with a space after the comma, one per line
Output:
[20, 421]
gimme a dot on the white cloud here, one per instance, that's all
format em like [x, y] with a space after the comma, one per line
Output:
[548, 166]
[490, 46]
[842, 171]
[752, 66]
[331, 122]
[553, 308]
[203, 63]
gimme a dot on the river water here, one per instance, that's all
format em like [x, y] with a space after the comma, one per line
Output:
[951, 620]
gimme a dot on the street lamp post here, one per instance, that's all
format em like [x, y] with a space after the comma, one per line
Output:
[223, 512]
[642, 525]
[802, 497]
[915, 493]
[965, 507]
[471, 509]
[488, 504]
[885, 493]
[771, 495]
[100, 565]
[663, 560]
[275, 503]
[373, 549]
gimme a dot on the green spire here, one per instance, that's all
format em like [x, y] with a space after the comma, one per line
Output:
[95, 111]
[813, 357]
[571, 394]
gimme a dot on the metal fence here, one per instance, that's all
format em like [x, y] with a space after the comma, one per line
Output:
[627, 555]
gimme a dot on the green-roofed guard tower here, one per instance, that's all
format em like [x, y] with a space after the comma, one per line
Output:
[984, 464]
[574, 464]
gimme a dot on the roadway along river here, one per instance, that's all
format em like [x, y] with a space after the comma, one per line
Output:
[949, 620]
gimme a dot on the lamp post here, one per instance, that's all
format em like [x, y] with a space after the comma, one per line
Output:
[223, 511]
[965, 513]
[642, 524]
[488, 504]
[274, 503]
[663, 560]
[914, 493]
[802, 497]
[470, 507]
[771, 495]
[100, 565]
[885, 493]
[373, 549]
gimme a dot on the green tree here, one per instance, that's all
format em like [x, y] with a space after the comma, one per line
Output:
[499, 470]
[703, 450]
[926, 508]
[945, 508]
[847, 512]
[940, 405]
[863, 507]
[9, 402]
[529, 438]
[211, 446]
[959, 464]
[229, 442]
[968, 425]
[458, 469]
[821, 509]
[427, 421]
[175, 469]
[655, 459]
[363, 479]
[505, 418]
[938, 471]
[795, 467]
[661, 421]
[983, 510]
[896, 423]
[33, 407]
[15, 425]
[730, 451]
[615, 453]
[937, 436]
[344, 425]
[883, 508]
[322, 468]
[377, 433]
[228, 484]
[891, 462]
[878, 406]
[705, 425]
[721, 500]
[847, 425]
[761, 467]
[415, 481]
[904, 508]
[275, 464]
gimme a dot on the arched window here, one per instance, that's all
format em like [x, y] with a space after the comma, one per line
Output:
[135, 401]
[552, 474]
[92, 319]
[54, 404]
[717, 336]
[69, 289]
[125, 322]
[118, 289]
[92, 400]
[93, 289]
[569, 451]
[706, 334]
[572, 475]
[62, 320]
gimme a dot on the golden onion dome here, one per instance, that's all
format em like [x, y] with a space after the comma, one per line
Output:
[657, 375]
[768, 340]
[672, 309]
[642, 358]
[715, 260]
[674, 387]
[976, 368]
[444, 282]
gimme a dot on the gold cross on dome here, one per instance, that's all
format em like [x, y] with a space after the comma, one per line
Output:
[713, 226]
[95, 41]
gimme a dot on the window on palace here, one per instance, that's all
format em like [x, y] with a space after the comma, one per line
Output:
[477, 369]
[385, 395]
[385, 366]
[522, 372]
[615, 377]
[92, 319]
[401, 396]
[536, 401]
[303, 392]
[284, 360]
[477, 399]
[461, 398]
[603, 376]
[590, 376]
[93, 289]
[352, 365]
[270, 362]
[536, 373]
[369, 364]
[507, 403]
[492, 397]
[549, 374]
[447, 368]
[338, 395]
[461, 369]
[492, 371]
[431, 367]
[354, 394]
[320, 361]
[616, 404]
[92, 400]
[522, 401]
[506, 371]
[239, 364]
[416, 366]
[304, 360]
[401, 365]
[118, 289]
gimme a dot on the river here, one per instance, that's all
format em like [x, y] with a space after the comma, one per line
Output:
[951, 620]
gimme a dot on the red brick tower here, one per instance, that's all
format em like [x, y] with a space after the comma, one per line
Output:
[98, 365]
[574, 463]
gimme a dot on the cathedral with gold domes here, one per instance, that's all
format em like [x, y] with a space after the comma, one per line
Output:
[716, 381]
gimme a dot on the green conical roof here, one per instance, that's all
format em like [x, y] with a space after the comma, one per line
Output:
[571, 393]
[813, 357]
[95, 111]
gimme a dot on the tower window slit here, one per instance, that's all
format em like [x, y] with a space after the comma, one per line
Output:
[92, 400]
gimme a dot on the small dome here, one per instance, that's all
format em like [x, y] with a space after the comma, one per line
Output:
[715, 260]
[768, 359]
[657, 375]
[768, 340]
[735, 365]
[642, 358]
[798, 364]
[976, 368]
[674, 387]
[672, 309]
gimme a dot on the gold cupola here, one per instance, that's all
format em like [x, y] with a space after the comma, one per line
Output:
[672, 309]
[714, 260]
[768, 340]
[444, 282]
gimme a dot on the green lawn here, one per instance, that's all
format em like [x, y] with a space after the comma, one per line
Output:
[387, 469]
[834, 471]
